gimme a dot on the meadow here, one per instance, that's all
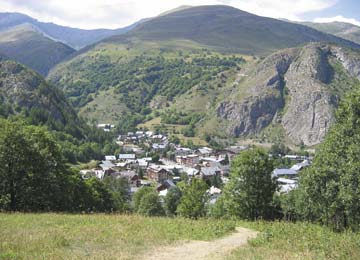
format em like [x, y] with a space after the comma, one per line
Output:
[107, 236]
[97, 236]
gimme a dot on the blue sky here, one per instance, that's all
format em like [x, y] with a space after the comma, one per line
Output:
[90, 14]
[348, 9]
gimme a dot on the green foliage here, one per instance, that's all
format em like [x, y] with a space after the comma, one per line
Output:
[34, 176]
[150, 205]
[218, 210]
[139, 195]
[249, 194]
[172, 200]
[119, 189]
[189, 131]
[330, 189]
[192, 203]
[180, 118]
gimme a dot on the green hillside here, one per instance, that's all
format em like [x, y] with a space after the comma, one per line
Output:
[227, 29]
[344, 30]
[26, 96]
[26, 45]
[110, 81]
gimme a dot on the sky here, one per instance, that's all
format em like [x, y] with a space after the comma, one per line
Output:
[92, 14]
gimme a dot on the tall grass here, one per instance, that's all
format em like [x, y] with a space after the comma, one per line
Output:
[282, 240]
[98, 236]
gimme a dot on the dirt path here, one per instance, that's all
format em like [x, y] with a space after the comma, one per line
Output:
[198, 250]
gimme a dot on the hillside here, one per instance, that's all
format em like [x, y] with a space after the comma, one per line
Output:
[26, 45]
[289, 96]
[295, 92]
[344, 30]
[59, 236]
[227, 29]
[24, 91]
[76, 38]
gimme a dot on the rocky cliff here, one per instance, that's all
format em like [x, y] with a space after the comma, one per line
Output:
[294, 89]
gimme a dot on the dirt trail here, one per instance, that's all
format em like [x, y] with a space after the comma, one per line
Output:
[197, 250]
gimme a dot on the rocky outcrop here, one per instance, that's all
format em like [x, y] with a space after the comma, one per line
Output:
[310, 110]
[265, 97]
[295, 86]
[350, 60]
[250, 116]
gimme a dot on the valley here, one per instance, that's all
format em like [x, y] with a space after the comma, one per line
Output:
[202, 132]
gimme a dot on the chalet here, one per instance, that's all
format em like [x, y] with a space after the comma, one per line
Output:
[143, 163]
[131, 176]
[157, 173]
[289, 173]
[204, 152]
[208, 172]
[300, 166]
[106, 165]
[124, 157]
[86, 174]
[188, 160]
[110, 158]
[167, 184]
[158, 147]
[182, 151]
[191, 172]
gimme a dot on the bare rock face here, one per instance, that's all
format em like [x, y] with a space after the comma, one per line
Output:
[250, 116]
[257, 110]
[310, 110]
[295, 85]
[350, 61]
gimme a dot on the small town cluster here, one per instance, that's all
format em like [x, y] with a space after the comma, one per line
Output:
[165, 171]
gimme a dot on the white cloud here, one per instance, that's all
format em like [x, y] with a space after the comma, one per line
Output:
[118, 13]
[338, 18]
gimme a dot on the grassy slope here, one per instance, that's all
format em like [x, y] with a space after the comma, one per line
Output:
[281, 240]
[227, 29]
[54, 236]
[100, 236]
[344, 30]
[27, 46]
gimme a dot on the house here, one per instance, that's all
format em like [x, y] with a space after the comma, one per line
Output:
[182, 151]
[157, 173]
[149, 133]
[290, 173]
[159, 147]
[300, 166]
[191, 172]
[110, 158]
[125, 157]
[131, 176]
[204, 151]
[188, 160]
[208, 172]
[86, 174]
[287, 185]
[143, 163]
[106, 165]
[167, 184]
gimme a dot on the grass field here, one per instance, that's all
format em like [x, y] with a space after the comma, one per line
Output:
[57, 236]
[281, 240]
[100, 236]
